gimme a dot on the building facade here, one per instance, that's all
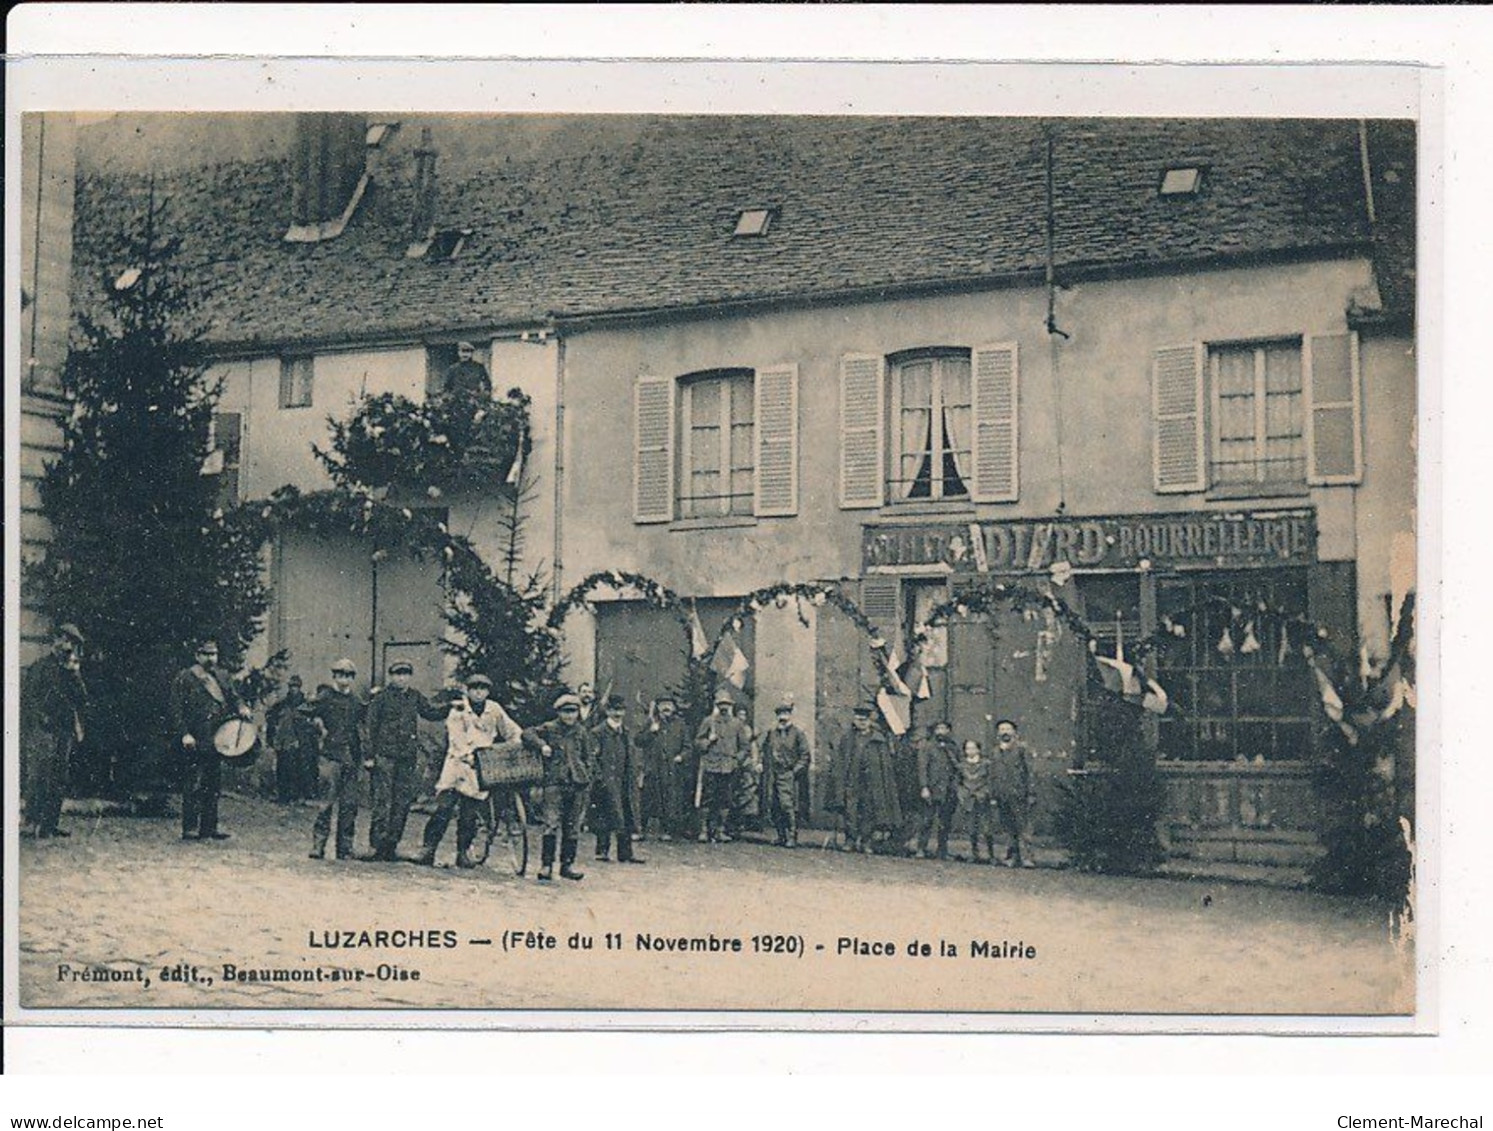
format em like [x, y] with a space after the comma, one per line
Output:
[1154, 368]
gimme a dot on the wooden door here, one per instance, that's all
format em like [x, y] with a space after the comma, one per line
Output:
[971, 678]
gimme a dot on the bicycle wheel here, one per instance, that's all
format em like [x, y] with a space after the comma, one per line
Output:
[515, 832]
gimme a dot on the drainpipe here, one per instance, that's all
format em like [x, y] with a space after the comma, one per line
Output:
[1363, 159]
[557, 585]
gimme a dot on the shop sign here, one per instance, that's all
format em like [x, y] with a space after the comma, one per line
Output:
[1197, 539]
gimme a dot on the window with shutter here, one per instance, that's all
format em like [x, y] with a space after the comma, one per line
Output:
[1177, 419]
[653, 450]
[1257, 416]
[930, 429]
[718, 452]
[997, 418]
[1334, 427]
[296, 381]
[862, 421]
[227, 449]
[777, 441]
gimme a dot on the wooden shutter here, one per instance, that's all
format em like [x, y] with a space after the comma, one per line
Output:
[653, 450]
[994, 393]
[777, 441]
[862, 430]
[1334, 409]
[881, 601]
[1179, 461]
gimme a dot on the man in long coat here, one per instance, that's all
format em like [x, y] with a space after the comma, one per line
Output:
[393, 726]
[668, 777]
[53, 704]
[612, 791]
[938, 786]
[785, 761]
[202, 699]
[863, 783]
[569, 755]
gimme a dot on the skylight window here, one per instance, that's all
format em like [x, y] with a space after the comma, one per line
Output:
[753, 222]
[1185, 180]
[377, 132]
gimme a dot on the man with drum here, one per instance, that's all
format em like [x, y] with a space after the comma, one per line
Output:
[569, 759]
[202, 699]
[338, 713]
[393, 761]
[473, 724]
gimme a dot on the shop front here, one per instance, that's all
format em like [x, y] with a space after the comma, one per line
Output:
[1217, 592]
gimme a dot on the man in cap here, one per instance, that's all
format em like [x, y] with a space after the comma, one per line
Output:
[785, 760]
[569, 756]
[668, 779]
[474, 723]
[467, 378]
[393, 726]
[337, 713]
[202, 699]
[54, 702]
[863, 784]
[724, 743]
[938, 786]
[612, 793]
[295, 748]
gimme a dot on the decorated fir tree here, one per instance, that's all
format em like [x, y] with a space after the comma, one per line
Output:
[141, 558]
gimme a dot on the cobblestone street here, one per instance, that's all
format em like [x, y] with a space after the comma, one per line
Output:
[126, 895]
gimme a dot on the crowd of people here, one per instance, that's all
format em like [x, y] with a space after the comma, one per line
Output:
[709, 784]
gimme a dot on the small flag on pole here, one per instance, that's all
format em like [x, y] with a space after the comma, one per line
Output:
[698, 644]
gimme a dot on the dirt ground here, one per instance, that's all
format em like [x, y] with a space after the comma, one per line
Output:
[817, 929]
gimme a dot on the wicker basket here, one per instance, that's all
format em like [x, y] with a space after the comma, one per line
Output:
[508, 766]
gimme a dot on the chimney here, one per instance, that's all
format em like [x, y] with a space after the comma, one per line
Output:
[328, 174]
[422, 215]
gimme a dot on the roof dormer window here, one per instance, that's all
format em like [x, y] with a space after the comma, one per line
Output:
[377, 133]
[1182, 180]
[444, 244]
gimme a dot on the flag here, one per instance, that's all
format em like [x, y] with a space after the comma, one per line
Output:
[698, 644]
[915, 676]
[896, 709]
[1155, 699]
[729, 662]
[516, 472]
[892, 680]
[1332, 702]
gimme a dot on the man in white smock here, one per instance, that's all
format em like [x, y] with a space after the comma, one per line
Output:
[472, 724]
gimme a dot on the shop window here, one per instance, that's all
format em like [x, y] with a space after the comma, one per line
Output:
[717, 419]
[1244, 694]
[931, 428]
[1258, 415]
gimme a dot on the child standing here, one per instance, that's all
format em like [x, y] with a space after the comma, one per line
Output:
[975, 801]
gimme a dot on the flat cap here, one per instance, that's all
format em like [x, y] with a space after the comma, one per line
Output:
[784, 707]
[344, 665]
[616, 703]
[71, 631]
[867, 708]
[479, 680]
[401, 667]
[568, 700]
[724, 696]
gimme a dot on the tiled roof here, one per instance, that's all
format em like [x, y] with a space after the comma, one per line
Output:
[1392, 169]
[579, 216]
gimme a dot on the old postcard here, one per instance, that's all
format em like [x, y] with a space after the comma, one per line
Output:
[530, 565]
